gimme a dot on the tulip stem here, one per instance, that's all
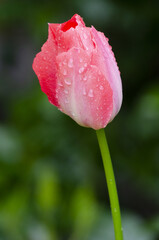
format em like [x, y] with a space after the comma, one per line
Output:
[112, 190]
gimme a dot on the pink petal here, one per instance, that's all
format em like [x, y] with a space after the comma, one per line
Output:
[105, 60]
[83, 92]
[44, 66]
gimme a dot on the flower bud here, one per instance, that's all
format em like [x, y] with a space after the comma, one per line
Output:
[78, 72]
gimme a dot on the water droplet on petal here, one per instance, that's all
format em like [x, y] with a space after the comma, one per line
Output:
[84, 92]
[68, 81]
[90, 93]
[84, 78]
[64, 72]
[81, 69]
[66, 91]
[101, 87]
[60, 84]
[85, 35]
[70, 63]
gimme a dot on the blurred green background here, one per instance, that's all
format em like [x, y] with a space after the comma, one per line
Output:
[52, 182]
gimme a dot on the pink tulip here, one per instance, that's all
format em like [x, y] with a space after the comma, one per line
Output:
[78, 72]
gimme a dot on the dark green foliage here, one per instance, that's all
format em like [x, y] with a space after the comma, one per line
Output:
[52, 183]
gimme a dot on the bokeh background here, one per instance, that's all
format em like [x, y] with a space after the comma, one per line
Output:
[52, 182]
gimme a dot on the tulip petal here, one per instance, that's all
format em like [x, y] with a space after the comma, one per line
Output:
[83, 92]
[44, 66]
[105, 59]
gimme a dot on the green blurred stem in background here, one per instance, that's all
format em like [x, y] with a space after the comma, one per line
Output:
[113, 195]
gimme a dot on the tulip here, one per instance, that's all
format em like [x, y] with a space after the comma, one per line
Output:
[78, 72]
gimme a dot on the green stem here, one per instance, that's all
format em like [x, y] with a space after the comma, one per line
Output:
[113, 195]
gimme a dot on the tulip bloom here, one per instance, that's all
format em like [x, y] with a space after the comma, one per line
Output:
[78, 72]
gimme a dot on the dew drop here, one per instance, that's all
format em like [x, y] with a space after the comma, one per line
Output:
[81, 69]
[66, 91]
[90, 93]
[111, 181]
[101, 87]
[84, 92]
[84, 78]
[60, 84]
[64, 72]
[68, 81]
[85, 36]
[70, 63]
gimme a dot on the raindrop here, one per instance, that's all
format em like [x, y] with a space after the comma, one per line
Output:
[81, 69]
[60, 84]
[84, 92]
[85, 35]
[66, 91]
[115, 210]
[70, 63]
[111, 181]
[68, 81]
[101, 87]
[90, 94]
[84, 78]
[64, 72]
